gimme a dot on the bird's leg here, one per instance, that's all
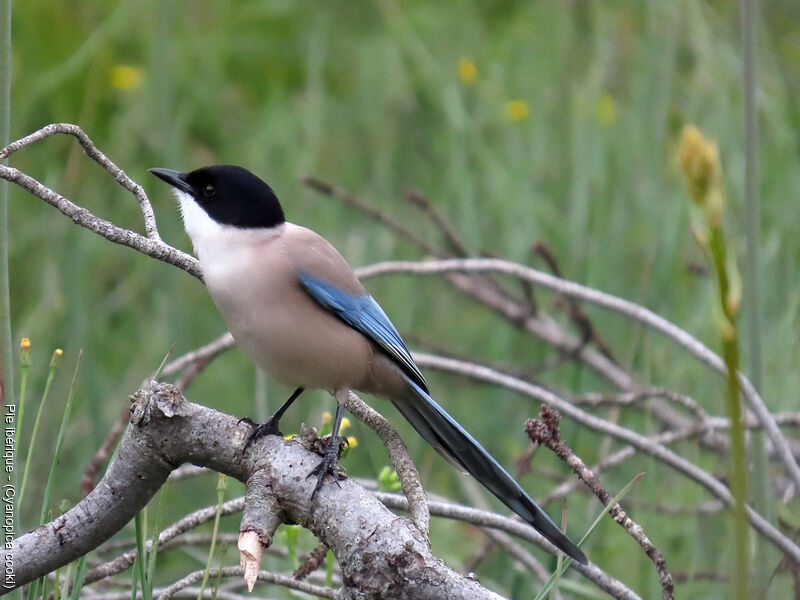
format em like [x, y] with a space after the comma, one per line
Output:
[270, 426]
[330, 459]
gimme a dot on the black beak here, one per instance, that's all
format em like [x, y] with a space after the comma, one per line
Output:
[174, 178]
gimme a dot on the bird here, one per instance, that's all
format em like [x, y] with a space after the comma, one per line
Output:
[297, 309]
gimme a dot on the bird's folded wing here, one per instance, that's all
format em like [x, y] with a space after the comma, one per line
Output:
[364, 314]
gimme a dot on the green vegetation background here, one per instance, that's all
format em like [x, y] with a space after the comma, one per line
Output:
[565, 133]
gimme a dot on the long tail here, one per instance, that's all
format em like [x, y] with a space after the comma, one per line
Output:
[451, 440]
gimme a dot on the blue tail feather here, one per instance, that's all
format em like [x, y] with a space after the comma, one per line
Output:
[456, 444]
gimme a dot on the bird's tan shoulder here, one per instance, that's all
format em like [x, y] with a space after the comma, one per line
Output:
[312, 253]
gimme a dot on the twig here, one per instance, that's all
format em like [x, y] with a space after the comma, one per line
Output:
[313, 561]
[647, 445]
[190, 592]
[544, 430]
[203, 353]
[617, 458]
[105, 450]
[634, 398]
[406, 471]
[155, 248]
[263, 576]
[377, 214]
[701, 508]
[186, 539]
[451, 237]
[190, 521]
[573, 309]
[515, 527]
[686, 576]
[150, 226]
[520, 554]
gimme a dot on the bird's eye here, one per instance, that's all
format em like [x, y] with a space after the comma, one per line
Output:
[209, 191]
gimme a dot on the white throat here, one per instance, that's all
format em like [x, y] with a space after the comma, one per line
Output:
[208, 236]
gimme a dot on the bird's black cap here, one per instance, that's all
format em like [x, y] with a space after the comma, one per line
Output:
[231, 195]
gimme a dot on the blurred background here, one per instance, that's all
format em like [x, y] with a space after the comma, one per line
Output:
[521, 121]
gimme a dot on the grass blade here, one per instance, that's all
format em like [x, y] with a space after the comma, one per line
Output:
[329, 568]
[135, 580]
[65, 586]
[24, 367]
[567, 561]
[54, 362]
[78, 585]
[151, 561]
[219, 571]
[163, 364]
[222, 484]
[560, 558]
[60, 440]
[141, 558]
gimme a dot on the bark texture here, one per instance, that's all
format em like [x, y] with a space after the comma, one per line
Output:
[381, 554]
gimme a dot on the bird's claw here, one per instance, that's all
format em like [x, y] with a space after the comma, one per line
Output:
[269, 427]
[329, 465]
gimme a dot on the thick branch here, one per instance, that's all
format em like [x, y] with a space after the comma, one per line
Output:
[380, 554]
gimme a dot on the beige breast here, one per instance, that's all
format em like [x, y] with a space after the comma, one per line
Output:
[273, 319]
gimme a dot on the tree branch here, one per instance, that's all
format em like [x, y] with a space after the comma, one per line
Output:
[624, 307]
[640, 442]
[150, 225]
[544, 430]
[119, 235]
[378, 552]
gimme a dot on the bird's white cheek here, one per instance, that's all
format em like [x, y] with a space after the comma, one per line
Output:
[200, 227]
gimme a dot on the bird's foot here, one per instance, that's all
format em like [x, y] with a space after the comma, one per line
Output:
[269, 427]
[329, 464]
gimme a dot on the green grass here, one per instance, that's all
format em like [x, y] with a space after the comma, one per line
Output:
[367, 95]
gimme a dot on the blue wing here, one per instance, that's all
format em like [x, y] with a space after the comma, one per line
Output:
[364, 314]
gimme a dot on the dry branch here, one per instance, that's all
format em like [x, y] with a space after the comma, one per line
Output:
[374, 547]
[544, 431]
[638, 441]
[629, 309]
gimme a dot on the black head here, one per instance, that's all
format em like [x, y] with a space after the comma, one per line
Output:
[230, 195]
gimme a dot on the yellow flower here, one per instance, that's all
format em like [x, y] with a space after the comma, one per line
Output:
[699, 158]
[55, 360]
[700, 162]
[516, 109]
[467, 70]
[345, 424]
[25, 352]
[352, 441]
[605, 109]
[125, 77]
